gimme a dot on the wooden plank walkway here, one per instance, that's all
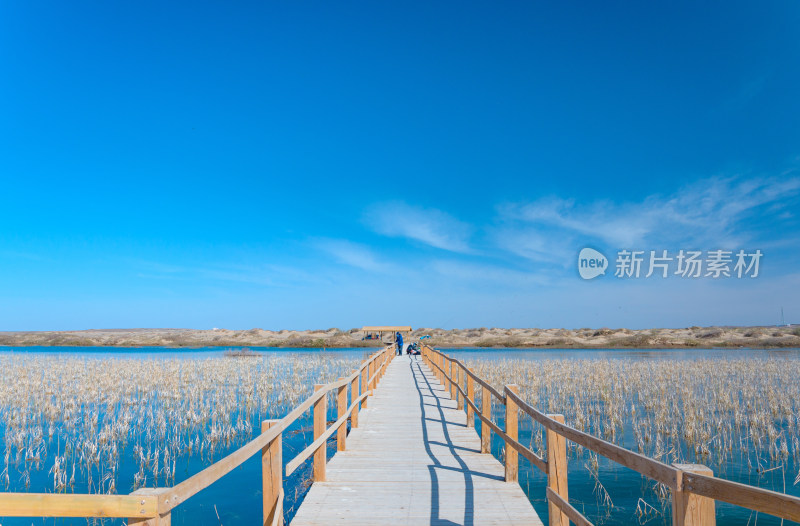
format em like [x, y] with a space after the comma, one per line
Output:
[413, 460]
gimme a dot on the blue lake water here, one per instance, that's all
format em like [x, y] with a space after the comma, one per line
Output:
[236, 499]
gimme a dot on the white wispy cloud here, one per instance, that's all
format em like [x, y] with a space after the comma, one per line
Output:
[352, 254]
[712, 211]
[532, 244]
[426, 225]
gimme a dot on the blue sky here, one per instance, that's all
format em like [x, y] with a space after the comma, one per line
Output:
[300, 164]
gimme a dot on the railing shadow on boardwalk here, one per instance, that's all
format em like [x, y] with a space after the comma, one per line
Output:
[469, 490]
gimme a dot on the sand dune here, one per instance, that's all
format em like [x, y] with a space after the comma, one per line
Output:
[767, 337]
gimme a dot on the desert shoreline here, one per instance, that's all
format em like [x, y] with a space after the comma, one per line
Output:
[763, 337]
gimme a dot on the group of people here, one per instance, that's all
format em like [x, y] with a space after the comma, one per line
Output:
[412, 348]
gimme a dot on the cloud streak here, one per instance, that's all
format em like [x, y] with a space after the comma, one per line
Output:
[428, 226]
[352, 254]
[712, 211]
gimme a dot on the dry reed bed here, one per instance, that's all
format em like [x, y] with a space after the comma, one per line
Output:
[736, 415]
[80, 419]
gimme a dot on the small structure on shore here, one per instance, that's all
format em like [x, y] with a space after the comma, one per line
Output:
[376, 332]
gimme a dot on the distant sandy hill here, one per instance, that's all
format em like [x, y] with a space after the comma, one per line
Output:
[765, 337]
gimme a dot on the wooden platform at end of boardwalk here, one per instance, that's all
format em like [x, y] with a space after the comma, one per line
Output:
[413, 460]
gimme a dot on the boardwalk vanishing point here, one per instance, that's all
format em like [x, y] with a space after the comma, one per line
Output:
[414, 460]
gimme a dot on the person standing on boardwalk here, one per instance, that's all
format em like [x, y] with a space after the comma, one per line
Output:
[398, 338]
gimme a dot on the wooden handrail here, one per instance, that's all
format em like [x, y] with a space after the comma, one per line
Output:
[211, 474]
[681, 481]
[319, 442]
[757, 499]
[573, 514]
[68, 505]
[374, 377]
[483, 383]
[645, 465]
[198, 482]
[536, 460]
[277, 517]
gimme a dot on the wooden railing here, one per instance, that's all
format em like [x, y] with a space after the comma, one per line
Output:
[694, 488]
[153, 506]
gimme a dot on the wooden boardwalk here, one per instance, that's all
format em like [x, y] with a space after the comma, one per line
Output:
[413, 460]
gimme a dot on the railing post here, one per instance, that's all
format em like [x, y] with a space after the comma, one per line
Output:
[364, 388]
[486, 411]
[353, 398]
[271, 475]
[320, 422]
[161, 520]
[689, 509]
[512, 430]
[471, 396]
[341, 409]
[557, 472]
[450, 381]
[459, 383]
[371, 369]
[448, 372]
